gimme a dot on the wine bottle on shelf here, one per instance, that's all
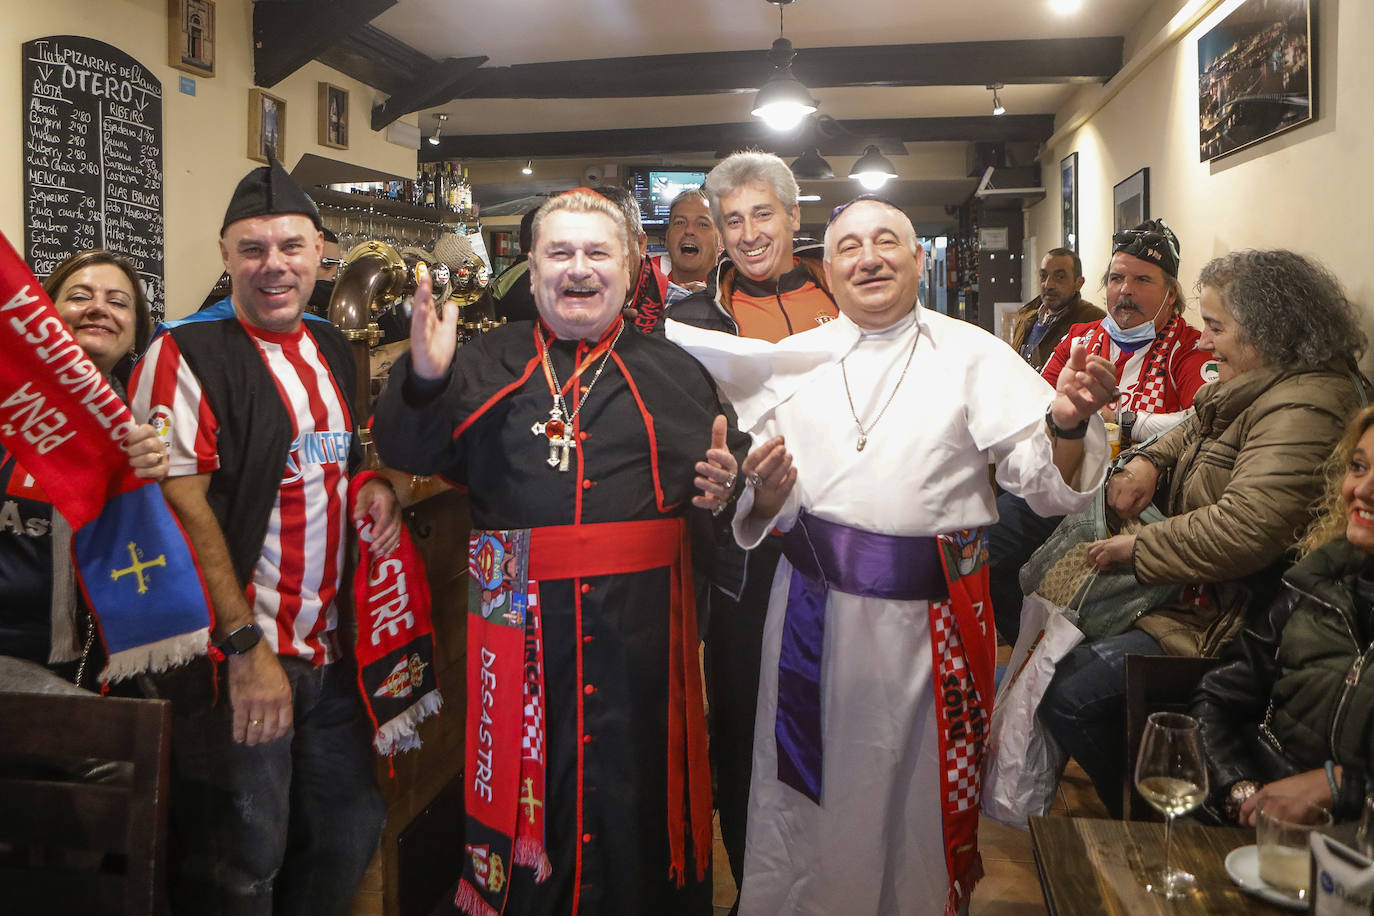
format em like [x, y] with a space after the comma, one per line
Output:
[465, 193]
[428, 182]
[455, 182]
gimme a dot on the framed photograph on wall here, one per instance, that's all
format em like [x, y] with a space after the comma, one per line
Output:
[1068, 199]
[1254, 72]
[333, 116]
[266, 126]
[191, 36]
[1131, 201]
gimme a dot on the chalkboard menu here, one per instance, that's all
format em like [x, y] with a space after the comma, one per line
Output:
[92, 157]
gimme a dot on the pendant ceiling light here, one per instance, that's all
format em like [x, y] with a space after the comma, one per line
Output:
[873, 169]
[809, 166]
[529, 167]
[783, 102]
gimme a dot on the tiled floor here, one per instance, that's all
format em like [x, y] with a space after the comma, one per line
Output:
[1010, 886]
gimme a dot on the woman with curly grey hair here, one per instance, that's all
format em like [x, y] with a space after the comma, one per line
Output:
[1240, 480]
[1288, 308]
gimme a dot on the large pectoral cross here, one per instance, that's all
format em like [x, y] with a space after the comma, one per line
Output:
[560, 438]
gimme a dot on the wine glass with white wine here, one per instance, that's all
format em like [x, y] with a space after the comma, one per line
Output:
[1171, 774]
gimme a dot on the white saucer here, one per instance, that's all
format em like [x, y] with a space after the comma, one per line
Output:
[1243, 866]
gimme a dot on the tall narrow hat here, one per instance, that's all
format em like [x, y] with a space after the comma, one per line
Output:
[268, 191]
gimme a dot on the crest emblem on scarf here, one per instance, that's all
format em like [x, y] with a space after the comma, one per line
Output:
[966, 551]
[408, 675]
[487, 867]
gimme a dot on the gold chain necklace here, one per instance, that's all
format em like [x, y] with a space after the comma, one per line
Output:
[556, 429]
[863, 432]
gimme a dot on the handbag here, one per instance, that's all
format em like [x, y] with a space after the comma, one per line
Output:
[1109, 601]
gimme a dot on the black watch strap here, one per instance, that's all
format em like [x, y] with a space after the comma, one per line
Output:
[1076, 432]
[241, 639]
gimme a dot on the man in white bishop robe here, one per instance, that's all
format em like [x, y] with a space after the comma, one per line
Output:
[873, 435]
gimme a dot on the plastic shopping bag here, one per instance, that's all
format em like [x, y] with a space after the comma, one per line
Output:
[1022, 765]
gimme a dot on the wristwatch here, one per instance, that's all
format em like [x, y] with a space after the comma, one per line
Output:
[1073, 432]
[241, 640]
[1127, 418]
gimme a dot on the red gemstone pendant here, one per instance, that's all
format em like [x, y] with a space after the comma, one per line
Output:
[553, 429]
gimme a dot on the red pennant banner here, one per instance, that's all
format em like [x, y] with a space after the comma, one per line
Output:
[58, 416]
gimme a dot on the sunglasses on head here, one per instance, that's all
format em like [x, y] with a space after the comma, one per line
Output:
[1135, 241]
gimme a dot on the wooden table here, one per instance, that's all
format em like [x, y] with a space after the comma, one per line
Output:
[1094, 866]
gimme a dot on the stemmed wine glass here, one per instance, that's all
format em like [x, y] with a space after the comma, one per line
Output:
[1171, 774]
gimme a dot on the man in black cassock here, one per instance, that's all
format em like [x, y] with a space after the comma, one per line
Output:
[578, 440]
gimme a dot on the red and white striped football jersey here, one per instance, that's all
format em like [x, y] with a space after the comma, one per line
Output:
[297, 577]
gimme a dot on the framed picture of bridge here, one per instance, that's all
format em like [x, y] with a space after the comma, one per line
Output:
[1254, 75]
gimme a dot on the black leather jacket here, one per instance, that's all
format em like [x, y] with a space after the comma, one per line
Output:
[1294, 688]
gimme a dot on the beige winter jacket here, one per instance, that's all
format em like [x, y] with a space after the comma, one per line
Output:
[1244, 475]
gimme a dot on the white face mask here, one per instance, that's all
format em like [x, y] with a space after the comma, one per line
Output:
[1129, 338]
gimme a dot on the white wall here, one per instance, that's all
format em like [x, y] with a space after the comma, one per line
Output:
[1310, 189]
[205, 136]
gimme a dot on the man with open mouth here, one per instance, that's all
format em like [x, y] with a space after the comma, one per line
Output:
[693, 243]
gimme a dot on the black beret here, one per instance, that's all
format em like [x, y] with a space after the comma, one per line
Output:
[267, 191]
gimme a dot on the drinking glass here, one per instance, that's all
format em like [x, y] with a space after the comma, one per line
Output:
[1364, 838]
[1283, 833]
[1171, 774]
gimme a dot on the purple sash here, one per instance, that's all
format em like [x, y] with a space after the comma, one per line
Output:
[827, 556]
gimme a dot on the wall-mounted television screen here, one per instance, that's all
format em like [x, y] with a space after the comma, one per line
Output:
[655, 188]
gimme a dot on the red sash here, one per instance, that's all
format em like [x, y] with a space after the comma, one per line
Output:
[499, 720]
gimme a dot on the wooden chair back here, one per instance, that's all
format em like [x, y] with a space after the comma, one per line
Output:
[1154, 683]
[83, 804]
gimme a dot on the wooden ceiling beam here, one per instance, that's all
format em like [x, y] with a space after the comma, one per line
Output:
[438, 84]
[842, 137]
[962, 63]
[288, 34]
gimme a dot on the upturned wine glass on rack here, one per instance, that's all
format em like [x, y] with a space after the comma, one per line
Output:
[1171, 774]
[346, 237]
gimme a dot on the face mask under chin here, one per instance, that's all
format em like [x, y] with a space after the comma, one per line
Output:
[1130, 338]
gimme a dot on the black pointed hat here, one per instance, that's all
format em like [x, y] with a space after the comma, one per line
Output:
[267, 191]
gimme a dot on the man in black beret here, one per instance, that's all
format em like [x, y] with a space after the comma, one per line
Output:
[275, 807]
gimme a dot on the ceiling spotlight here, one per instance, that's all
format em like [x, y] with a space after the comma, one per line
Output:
[873, 170]
[529, 167]
[1065, 6]
[782, 102]
[439, 120]
[809, 166]
[997, 107]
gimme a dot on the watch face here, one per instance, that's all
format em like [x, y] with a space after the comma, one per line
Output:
[244, 638]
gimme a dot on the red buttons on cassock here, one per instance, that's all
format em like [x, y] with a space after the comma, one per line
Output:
[587, 638]
[586, 588]
[586, 837]
[587, 484]
[586, 739]
[582, 436]
[589, 690]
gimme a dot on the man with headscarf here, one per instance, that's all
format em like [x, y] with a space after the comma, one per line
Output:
[274, 804]
[876, 682]
[1158, 370]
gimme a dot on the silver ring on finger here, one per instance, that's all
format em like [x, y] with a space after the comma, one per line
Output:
[755, 481]
[729, 482]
